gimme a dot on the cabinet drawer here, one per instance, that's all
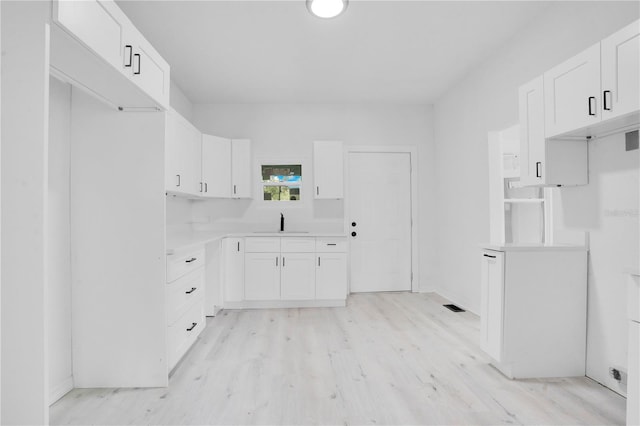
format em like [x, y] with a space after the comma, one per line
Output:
[183, 262]
[331, 245]
[182, 334]
[298, 245]
[184, 292]
[262, 245]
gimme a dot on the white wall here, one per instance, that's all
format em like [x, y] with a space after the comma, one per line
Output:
[180, 102]
[487, 100]
[59, 247]
[286, 132]
[607, 209]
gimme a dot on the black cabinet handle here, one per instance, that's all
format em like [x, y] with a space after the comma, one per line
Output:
[538, 167]
[317, 190]
[191, 291]
[178, 176]
[283, 261]
[591, 110]
[128, 46]
[488, 255]
[200, 186]
[137, 55]
[353, 234]
[238, 245]
[234, 189]
[193, 325]
[605, 105]
[206, 188]
[318, 260]
[331, 244]
[276, 260]
[191, 260]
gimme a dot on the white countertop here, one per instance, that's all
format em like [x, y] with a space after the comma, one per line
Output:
[179, 241]
[532, 247]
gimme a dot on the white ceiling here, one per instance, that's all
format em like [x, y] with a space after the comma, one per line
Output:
[275, 51]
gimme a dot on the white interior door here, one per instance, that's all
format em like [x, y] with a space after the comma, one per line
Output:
[380, 207]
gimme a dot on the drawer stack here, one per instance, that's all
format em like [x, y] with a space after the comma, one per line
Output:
[185, 301]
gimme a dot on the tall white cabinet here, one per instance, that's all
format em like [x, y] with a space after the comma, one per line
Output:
[240, 168]
[183, 156]
[534, 309]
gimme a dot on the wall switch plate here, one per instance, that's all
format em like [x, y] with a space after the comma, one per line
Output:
[631, 140]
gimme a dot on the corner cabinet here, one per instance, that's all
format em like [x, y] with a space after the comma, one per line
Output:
[546, 162]
[534, 309]
[240, 168]
[328, 170]
[183, 143]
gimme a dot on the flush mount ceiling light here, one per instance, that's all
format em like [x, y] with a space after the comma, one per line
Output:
[327, 8]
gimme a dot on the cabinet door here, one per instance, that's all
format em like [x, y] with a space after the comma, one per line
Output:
[633, 390]
[492, 300]
[216, 166]
[328, 170]
[241, 168]
[532, 139]
[262, 276]
[572, 93]
[183, 151]
[149, 70]
[620, 71]
[233, 270]
[331, 276]
[298, 276]
[96, 24]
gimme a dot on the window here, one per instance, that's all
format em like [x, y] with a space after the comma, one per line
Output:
[281, 182]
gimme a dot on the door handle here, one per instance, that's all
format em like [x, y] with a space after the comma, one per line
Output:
[538, 169]
[592, 99]
[128, 46]
[137, 55]
[604, 100]
[353, 224]
[191, 291]
[353, 234]
[190, 260]
[193, 325]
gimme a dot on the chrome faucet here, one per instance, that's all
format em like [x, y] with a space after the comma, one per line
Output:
[281, 222]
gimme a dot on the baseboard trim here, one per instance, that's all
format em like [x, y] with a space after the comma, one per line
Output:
[60, 390]
[270, 304]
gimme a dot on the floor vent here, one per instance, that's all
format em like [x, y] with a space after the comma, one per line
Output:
[454, 308]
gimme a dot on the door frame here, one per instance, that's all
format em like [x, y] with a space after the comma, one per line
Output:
[412, 150]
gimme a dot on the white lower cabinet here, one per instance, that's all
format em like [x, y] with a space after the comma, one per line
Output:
[633, 360]
[185, 290]
[262, 276]
[534, 309]
[331, 276]
[232, 270]
[298, 276]
[262, 272]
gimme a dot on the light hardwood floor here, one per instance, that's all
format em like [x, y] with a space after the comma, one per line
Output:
[387, 358]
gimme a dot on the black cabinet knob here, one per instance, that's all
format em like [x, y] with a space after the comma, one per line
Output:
[353, 224]
[353, 234]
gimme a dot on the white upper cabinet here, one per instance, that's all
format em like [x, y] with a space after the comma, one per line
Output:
[97, 24]
[240, 168]
[96, 47]
[216, 166]
[620, 71]
[328, 170]
[572, 93]
[183, 156]
[546, 162]
[532, 139]
[148, 70]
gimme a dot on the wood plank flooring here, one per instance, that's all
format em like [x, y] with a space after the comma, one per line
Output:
[387, 358]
